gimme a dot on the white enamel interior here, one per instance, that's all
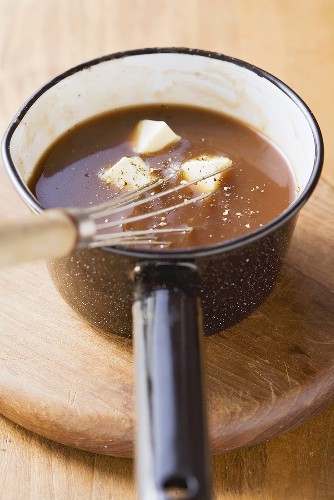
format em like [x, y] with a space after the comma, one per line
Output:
[166, 78]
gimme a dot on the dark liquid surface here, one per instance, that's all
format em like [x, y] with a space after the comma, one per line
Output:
[256, 190]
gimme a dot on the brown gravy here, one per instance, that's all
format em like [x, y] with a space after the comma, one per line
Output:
[256, 190]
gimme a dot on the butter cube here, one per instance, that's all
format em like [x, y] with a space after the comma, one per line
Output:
[204, 165]
[151, 136]
[128, 173]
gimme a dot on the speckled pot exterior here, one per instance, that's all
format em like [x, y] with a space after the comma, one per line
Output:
[98, 283]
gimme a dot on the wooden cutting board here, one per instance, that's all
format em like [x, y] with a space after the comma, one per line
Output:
[63, 380]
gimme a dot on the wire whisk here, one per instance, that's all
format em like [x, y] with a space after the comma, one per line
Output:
[58, 232]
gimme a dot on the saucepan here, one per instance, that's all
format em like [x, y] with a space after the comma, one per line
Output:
[168, 299]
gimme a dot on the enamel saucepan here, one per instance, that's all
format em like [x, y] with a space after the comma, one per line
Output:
[168, 298]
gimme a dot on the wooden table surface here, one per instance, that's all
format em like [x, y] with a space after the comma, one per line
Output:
[293, 40]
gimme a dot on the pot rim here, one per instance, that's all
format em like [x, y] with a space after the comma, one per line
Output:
[190, 253]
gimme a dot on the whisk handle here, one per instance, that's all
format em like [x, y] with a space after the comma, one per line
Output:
[171, 448]
[49, 235]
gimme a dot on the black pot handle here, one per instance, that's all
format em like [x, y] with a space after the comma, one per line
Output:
[171, 451]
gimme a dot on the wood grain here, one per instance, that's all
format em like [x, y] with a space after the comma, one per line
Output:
[38, 39]
[298, 465]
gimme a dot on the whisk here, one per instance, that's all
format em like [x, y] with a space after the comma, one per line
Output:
[58, 232]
